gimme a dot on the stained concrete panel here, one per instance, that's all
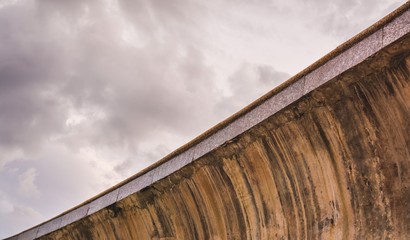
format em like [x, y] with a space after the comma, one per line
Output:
[74, 215]
[135, 185]
[339, 64]
[103, 201]
[396, 29]
[49, 227]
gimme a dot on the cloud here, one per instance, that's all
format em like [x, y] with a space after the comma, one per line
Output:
[5, 206]
[247, 83]
[27, 187]
[94, 75]
[93, 91]
[12, 213]
[343, 18]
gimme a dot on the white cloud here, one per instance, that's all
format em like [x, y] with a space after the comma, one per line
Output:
[8, 154]
[12, 213]
[27, 187]
[5, 206]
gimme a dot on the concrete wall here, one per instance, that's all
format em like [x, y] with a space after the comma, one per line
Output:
[325, 156]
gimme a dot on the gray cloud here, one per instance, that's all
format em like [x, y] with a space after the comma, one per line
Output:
[248, 83]
[92, 91]
[92, 73]
[27, 187]
[12, 213]
[346, 18]
[82, 106]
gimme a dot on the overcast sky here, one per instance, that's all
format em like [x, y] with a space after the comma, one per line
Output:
[92, 91]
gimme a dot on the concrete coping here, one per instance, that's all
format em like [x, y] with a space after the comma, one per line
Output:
[349, 54]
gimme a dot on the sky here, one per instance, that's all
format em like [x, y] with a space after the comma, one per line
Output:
[93, 91]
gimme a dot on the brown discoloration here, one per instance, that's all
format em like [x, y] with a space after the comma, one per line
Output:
[334, 165]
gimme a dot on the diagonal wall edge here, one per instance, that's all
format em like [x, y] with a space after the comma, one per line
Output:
[394, 27]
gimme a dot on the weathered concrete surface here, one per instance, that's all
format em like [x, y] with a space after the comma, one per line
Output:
[326, 157]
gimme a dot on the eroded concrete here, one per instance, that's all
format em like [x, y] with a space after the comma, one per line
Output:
[326, 157]
[334, 165]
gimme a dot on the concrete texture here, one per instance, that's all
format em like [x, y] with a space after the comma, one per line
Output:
[103, 202]
[396, 29]
[73, 215]
[49, 227]
[324, 156]
[356, 54]
[136, 185]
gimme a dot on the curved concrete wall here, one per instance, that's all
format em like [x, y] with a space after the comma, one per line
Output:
[334, 165]
[326, 157]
